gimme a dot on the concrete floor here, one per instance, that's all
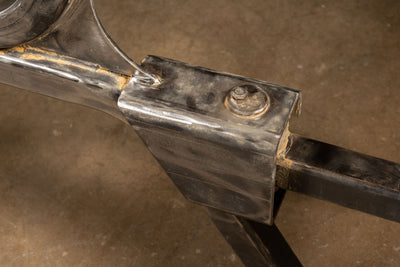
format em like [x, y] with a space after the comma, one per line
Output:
[78, 188]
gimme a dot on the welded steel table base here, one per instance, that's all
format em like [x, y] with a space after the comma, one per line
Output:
[223, 139]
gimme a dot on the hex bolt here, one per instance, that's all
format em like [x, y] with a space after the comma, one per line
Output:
[247, 101]
[239, 93]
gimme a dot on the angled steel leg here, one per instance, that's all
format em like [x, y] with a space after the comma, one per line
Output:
[256, 244]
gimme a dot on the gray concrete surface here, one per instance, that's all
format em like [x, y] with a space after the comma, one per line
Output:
[78, 188]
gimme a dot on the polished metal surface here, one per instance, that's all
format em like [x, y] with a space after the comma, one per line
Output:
[62, 77]
[73, 60]
[23, 20]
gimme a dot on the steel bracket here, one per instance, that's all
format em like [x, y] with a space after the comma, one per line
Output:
[214, 157]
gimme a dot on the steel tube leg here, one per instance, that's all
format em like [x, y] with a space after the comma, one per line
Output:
[341, 176]
[256, 244]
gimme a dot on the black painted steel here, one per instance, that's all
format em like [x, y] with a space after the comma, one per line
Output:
[256, 244]
[342, 176]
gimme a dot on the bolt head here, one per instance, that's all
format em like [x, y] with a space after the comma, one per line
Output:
[239, 93]
[247, 101]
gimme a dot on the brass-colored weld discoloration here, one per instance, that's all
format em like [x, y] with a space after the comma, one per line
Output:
[283, 164]
[282, 150]
[16, 49]
[123, 82]
[34, 54]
